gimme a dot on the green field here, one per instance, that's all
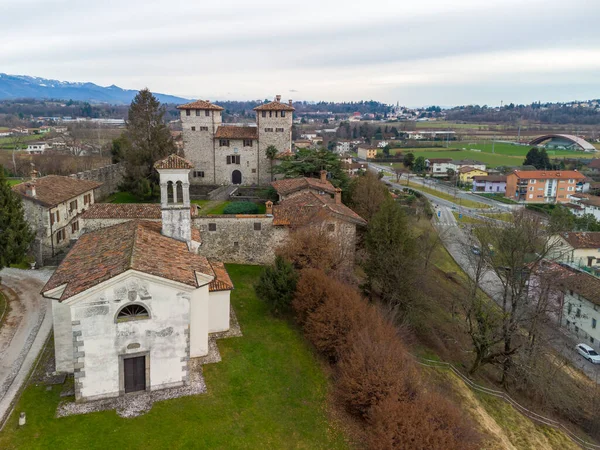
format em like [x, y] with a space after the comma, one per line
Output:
[13, 182]
[505, 148]
[269, 391]
[7, 142]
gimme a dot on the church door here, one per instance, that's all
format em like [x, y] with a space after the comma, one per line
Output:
[236, 177]
[135, 373]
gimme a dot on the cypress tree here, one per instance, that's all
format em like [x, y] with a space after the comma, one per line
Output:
[15, 233]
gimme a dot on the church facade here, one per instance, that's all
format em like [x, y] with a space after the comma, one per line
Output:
[234, 153]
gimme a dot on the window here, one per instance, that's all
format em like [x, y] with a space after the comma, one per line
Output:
[257, 226]
[569, 308]
[188, 112]
[254, 171]
[247, 142]
[594, 323]
[197, 112]
[54, 217]
[530, 195]
[282, 113]
[132, 312]
[532, 181]
[224, 142]
[87, 199]
[279, 130]
[531, 188]
[571, 188]
[591, 339]
[60, 236]
[571, 181]
[331, 227]
[207, 113]
[264, 114]
[270, 113]
[212, 227]
[75, 227]
[236, 244]
[233, 159]
[198, 173]
[578, 313]
[203, 128]
[268, 130]
[193, 128]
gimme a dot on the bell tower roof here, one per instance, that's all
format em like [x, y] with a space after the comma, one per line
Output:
[173, 162]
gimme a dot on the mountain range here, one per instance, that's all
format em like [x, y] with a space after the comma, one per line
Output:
[23, 86]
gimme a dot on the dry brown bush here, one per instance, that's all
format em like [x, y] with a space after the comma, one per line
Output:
[311, 292]
[428, 422]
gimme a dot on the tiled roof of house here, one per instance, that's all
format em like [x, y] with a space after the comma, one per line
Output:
[439, 160]
[235, 132]
[275, 106]
[594, 164]
[582, 239]
[591, 200]
[548, 174]
[136, 245]
[491, 178]
[289, 185]
[53, 190]
[201, 104]
[173, 162]
[309, 207]
[467, 169]
[467, 162]
[123, 211]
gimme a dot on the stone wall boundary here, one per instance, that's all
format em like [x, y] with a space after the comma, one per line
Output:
[110, 176]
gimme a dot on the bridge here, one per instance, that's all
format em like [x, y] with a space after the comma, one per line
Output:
[567, 141]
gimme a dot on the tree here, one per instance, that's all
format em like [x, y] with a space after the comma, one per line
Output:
[409, 160]
[391, 253]
[419, 165]
[561, 219]
[271, 153]
[277, 284]
[366, 195]
[15, 233]
[149, 140]
[119, 148]
[386, 151]
[538, 158]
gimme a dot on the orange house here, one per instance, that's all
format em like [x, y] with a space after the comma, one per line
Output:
[542, 186]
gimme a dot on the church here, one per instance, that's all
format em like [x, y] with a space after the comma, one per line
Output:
[133, 302]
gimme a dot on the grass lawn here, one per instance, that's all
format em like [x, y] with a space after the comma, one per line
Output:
[466, 219]
[506, 217]
[123, 197]
[219, 207]
[268, 392]
[498, 197]
[13, 182]
[463, 202]
[8, 142]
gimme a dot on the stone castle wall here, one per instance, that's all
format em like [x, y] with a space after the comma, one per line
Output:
[198, 143]
[282, 140]
[110, 176]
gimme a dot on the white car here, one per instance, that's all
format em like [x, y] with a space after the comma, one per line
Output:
[588, 353]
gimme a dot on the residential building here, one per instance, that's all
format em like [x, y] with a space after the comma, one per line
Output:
[582, 204]
[581, 306]
[367, 153]
[354, 168]
[53, 205]
[234, 153]
[134, 304]
[594, 165]
[458, 164]
[542, 186]
[36, 148]
[579, 248]
[466, 174]
[438, 167]
[490, 183]
[343, 146]
[303, 143]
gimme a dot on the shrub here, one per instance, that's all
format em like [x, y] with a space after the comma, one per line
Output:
[241, 208]
[311, 292]
[312, 248]
[277, 284]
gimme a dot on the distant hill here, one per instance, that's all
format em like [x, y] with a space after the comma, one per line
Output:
[23, 86]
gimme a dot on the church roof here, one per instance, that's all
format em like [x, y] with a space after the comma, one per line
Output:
[201, 104]
[275, 106]
[53, 190]
[173, 162]
[235, 132]
[123, 211]
[135, 245]
[289, 185]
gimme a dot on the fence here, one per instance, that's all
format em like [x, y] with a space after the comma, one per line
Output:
[503, 395]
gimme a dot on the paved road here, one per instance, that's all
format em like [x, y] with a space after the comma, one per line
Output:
[24, 330]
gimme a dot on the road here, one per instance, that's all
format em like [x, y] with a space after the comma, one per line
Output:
[24, 330]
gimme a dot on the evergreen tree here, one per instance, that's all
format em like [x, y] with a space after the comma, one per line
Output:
[419, 165]
[15, 233]
[561, 219]
[277, 284]
[147, 139]
[271, 153]
[532, 158]
[408, 160]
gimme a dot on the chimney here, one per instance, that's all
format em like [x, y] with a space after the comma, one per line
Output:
[323, 176]
[278, 98]
[269, 205]
[30, 189]
[338, 196]
[290, 101]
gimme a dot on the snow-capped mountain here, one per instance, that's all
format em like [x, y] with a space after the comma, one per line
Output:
[23, 86]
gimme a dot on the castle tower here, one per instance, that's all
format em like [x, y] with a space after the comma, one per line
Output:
[175, 197]
[274, 122]
[200, 120]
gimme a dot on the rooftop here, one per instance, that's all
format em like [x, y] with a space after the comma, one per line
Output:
[135, 245]
[236, 132]
[173, 162]
[289, 185]
[53, 190]
[582, 239]
[123, 211]
[201, 104]
[275, 105]
[467, 169]
[491, 178]
[548, 174]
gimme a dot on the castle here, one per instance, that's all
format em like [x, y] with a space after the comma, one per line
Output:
[234, 153]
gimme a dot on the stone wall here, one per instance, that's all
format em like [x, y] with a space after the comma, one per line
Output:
[198, 143]
[282, 140]
[248, 166]
[110, 177]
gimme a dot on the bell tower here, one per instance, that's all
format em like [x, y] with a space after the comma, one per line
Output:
[174, 174]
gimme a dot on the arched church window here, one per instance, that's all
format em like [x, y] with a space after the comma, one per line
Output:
[170, 192]
[132, 311]
[179, 187]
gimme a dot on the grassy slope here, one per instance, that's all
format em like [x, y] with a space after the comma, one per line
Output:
[268, 392]
[463, 202]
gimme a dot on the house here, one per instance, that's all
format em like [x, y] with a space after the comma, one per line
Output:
[579, 248]
[53, 206]
[234, 153]
[343, 146]
[36, 148]
[581, 306]
[582, 204]
[289, 187]
[303, 143]
[354, 168]
[346, 159]
[438, 167]
[594, 165]
[134, 303]
[490, 183]
[367, 152]
[542, 186]
[458, 164]
[466, 173]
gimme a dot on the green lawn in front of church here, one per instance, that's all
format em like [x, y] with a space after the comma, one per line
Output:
[269, 391]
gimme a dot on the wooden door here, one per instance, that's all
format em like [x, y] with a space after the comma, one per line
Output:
[135, 373]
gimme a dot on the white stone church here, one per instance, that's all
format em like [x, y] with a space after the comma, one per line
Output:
[133, 302]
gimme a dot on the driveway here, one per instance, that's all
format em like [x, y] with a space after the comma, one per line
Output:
[24, 331]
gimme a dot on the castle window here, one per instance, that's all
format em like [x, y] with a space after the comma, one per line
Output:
[268, 130]
[264, 114]
[270, 113]
[275, 113]
[203, 128]
[170, 192]
[224, 142]
[193, 128]
[132, 312]
[257, 226]
[233, 159]
[247, 142]
[73, 206]
[254, 171]
[198, 174]
[87, 199]
[282, 113]
[179, 187]
[207, 113]
[279, 130]
[212, 227]
[188, 112]
[75, 227]
[236, 244]
[197, 112]
[60, 236]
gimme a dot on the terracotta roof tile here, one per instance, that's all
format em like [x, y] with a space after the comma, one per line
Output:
[289, 185]
[52, 190]
[138, 245]
[201, 104]
[235, 132]
[173, 162]
[582, 239]
[467, 169]
[491, 178]
[123, 211]
[548, 174]
[222, 282]
[275, 106]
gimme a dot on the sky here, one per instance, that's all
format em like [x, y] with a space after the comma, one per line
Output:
[442, 52]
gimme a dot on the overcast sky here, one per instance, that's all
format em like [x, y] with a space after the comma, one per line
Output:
[423, 52]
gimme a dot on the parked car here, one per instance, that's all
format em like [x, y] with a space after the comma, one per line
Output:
[588, 353]
[475, 250]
